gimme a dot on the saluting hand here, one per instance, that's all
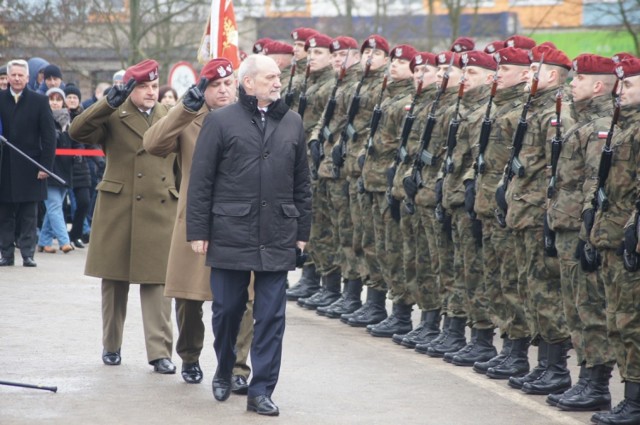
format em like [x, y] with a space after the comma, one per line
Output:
[200, 247]
[194, 97]
[117, 94]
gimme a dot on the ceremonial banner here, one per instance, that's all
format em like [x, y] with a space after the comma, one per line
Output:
[220, 37]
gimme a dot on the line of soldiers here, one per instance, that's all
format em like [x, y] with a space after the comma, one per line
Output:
[483, 188]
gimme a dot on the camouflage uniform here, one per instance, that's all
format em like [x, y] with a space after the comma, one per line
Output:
[374, 174]
[323, 241]
[583, 299]
[526, 198]
[296, 84]
[337, 194]
[501, 277]
[621, 286]
[467, 260]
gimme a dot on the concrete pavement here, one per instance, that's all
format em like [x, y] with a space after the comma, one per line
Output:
[50, 334]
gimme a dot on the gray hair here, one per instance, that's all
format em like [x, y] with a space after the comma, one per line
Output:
[17, 62]
[250, 67]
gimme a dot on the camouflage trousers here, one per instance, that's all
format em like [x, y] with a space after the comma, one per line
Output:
[324, 249]
[389, 253]
[622, 292]
[506, 305]
[467, 268]
[340, 215]
[539, 284]
[451, 293]
[369, 248]
[408, 227]
[356, 232]
[584, 304]
[427, 291]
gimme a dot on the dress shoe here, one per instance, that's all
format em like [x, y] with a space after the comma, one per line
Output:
[4, 262]
[66, 248]
[221, 388]
[77, 243]
[239, 385]
[191, 373]
[28, 262]
[40, 248]
[111, 358]
[262, 405]
[163, 366]
[49, 249]
[85, 238]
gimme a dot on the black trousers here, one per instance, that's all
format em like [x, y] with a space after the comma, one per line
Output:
[24, 216]
[229, 288]
[83, 199]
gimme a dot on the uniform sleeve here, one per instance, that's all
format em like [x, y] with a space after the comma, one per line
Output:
[89, 127]
[163, 137]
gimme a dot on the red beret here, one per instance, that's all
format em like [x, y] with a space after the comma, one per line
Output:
[403, 51]
[588, 63]
[463, 44]
[621, 56]
[547, 44]
[494, 46]
[423, 58]
[216, 69]
[514, 56]
[630, 67]
[243, 55]
[478, 58]
[302, 34]
[520, 42]
[444, 58]
[317, 40]
[375, 41]
[551, 56]
[147, 70]
[278, 48]
[343, 43]
[258, 46]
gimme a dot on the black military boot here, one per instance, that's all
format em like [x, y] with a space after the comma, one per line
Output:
[321, 310]
[397, 338]
[429, 331]
[482, 350]
[583, 377]
[594, 394]
[454, 340]
[516, 363]
[556, 378]
[376, 312]
[362, 310]
[627, 412]
[448, 357]
[424, 348]
[398, 323]
[482, 367]
[328, 293]
[308, 284]
[348, 303]
[518, 381]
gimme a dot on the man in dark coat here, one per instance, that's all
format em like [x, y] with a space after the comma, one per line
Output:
[27, 122]
[248, 207]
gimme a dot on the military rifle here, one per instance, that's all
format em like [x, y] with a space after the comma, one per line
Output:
[423, 156]
[487, 123]
[288, 97]
[514, 166]
[454, 123]
[302, 102]
[556, 145]
[339, 151]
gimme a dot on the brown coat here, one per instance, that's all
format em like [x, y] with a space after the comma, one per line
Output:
[137, 198]
[187, 275]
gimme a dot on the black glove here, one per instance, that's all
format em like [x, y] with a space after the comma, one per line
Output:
[470, 197]
[439, 191]
[360, 185]
[117, 94]
[440, 213]
[394, 207]
[410, 187]
[301, 257]
[391, 174]
[314, 150]
[336, 155]
[588, 217]
[549, 240]
[476, 231]
[501, 198]
[630, 258]
[589, 258]
[194, 97]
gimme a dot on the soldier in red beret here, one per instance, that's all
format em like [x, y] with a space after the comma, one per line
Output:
[520, 42]
[259, 45]
[494, 46]
[291, 88]
[463, 44]
[134, 213]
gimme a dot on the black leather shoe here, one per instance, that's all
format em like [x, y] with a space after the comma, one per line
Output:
[4, 262]
[262, 405]
[191, 373]
[163, 366]
[28, 262]
[77, 243]
[111, 358]
[221, 388]
[239, 385]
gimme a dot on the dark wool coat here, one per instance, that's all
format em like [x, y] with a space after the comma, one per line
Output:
[249, 192]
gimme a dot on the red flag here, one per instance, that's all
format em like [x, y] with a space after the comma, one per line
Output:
[220, 39]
